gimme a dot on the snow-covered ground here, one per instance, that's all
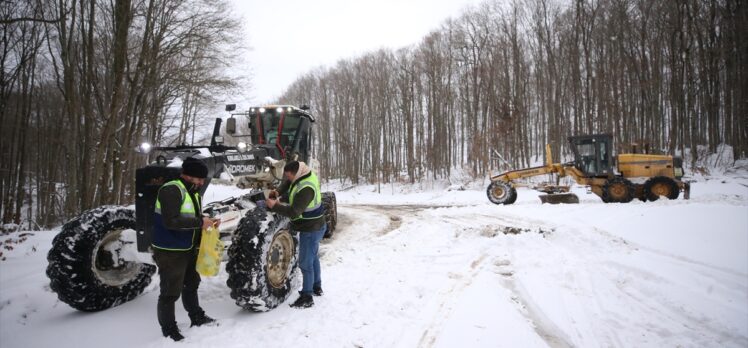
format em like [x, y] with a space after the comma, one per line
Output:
[442, 267]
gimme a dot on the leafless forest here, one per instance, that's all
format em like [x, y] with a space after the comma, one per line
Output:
[83, 81]
[513, 77]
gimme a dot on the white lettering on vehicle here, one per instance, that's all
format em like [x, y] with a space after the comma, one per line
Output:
[240, 157]
[238, 168]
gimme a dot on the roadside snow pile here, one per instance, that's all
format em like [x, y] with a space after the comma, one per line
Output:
[7, 228]
[458, 180]
[717, 163]
[739, 170]
[11, 241]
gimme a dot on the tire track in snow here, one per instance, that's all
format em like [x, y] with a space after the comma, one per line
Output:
[381, 231]
[541, 324]
[610, 297]
[602, 274]
[446, 304]
[640, 288]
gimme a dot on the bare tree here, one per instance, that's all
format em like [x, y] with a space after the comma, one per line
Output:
[86, 80]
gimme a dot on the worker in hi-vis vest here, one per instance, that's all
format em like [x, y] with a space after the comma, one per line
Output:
[178, 225]
[307, 215]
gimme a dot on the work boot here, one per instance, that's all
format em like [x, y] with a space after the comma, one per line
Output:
[172, 332]
[317, 291]
[200, 319]
[304, 301]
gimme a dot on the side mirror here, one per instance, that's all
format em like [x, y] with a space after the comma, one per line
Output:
[230, 107]
[231, 125]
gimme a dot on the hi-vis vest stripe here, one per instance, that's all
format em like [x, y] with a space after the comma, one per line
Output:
[167, 239]
[314, 210]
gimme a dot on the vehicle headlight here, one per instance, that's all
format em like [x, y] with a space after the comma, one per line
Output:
[144, 148]
[241, 147]
[262, 110]
[279, 110]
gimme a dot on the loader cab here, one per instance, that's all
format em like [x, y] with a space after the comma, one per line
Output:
[593, 154]
[284, 130]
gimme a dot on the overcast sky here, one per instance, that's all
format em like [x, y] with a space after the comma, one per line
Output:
[291, 37]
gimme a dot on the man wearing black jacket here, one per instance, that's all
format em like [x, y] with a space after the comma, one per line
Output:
[176, 238]
[307, 216]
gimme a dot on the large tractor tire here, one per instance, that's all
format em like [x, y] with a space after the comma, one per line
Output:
[262, 261]
[661, 186]
[501, 192]
[618, 190]
[331, 212]
[86, 268]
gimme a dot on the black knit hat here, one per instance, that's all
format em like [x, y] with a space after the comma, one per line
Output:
[194, 168]
[292, 167]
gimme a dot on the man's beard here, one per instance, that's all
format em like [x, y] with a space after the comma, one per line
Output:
[194, 188]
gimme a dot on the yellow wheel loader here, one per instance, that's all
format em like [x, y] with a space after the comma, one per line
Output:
[615, 179]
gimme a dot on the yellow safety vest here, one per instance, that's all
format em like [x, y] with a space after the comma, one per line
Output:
[175, 240]
[314, 210]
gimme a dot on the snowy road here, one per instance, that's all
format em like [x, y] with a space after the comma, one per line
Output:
[447, 268]
[571, 285]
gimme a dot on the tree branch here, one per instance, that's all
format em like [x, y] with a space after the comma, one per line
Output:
[29, 19]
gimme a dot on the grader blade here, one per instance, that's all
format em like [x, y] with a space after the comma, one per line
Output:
[556, 198]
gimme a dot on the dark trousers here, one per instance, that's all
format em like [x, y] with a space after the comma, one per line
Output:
[178, 276]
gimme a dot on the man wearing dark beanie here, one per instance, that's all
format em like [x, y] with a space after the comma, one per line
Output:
[195, 168]
[178, 225]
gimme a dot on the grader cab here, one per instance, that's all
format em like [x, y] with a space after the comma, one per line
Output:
[614, 179]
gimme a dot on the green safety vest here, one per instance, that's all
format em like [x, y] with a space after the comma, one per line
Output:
[314, 210]
[166, 239]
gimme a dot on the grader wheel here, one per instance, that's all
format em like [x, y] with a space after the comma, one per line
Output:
[501, 192]
[659, 186]
[618, 190]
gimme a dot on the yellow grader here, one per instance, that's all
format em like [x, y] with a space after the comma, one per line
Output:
[615, 179]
